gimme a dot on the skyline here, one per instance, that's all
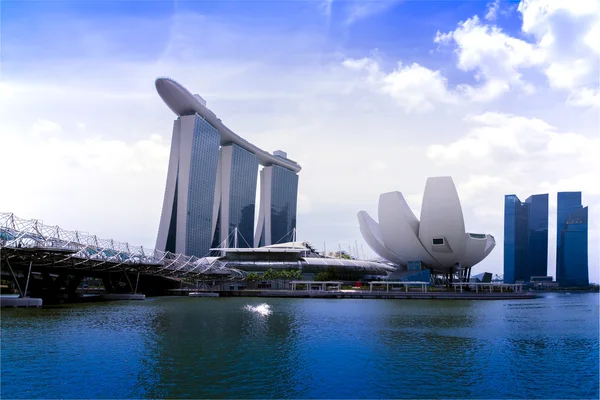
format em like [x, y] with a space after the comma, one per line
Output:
[492, 102]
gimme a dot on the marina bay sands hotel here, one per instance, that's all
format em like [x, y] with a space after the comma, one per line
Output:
[210, 194]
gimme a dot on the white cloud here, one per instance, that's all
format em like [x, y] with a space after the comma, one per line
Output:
[86, 178]
[496, 136]
[537, 14]
[584, 97]
[492, 10]
[6, 91]
[45, 126]
[414, 87]
[591, 38]
[568, 75]
[559, 43]
[494, 57]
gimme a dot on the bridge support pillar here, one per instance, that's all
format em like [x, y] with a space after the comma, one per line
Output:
[14, 278]
[107, 282]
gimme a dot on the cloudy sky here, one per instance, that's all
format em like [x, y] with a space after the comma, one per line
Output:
[368, 96]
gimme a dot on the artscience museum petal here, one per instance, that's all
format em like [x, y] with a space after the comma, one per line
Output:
[437, 242]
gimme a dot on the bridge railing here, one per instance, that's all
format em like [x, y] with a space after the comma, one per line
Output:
[17, 233]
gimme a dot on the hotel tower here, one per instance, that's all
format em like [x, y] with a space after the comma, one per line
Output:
[211, 184]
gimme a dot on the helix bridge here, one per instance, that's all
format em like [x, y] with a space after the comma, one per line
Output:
[28, 243]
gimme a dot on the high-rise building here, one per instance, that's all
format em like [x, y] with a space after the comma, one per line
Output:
[278, 201]
[235, 197]
[525, 237]
[571, 240]
[211, 182]
[185, 225]
[537, 235]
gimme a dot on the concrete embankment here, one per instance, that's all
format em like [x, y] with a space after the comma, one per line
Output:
[358, 294]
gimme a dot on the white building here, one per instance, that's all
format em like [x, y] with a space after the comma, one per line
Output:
[437, 241]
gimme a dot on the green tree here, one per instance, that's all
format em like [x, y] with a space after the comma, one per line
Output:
[296, 274]
[270, 275]
[322, 276]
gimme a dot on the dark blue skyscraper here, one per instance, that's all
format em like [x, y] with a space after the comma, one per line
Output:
[571, 240]
[525, 237]
[537, 235]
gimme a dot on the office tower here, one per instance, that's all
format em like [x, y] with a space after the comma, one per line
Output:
[525, 237]
[211, 182]
[537, 236]
[571, 240]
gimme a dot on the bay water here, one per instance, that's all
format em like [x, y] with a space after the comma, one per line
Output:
[177, 347]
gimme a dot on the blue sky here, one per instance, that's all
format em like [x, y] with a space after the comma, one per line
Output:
[395, 28]
[368, 96]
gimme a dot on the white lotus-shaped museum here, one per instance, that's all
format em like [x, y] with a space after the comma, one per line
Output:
[439, 240]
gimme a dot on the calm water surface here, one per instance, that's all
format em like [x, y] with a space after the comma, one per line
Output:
[306, 348]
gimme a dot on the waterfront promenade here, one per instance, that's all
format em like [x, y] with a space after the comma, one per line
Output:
[364, 294]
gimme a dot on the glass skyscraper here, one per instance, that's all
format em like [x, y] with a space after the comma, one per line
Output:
[238, 175]
[210, 194]
[283, 204]
[277, 216]
[571, 240]
[537, 235]
[187, 211]
[525, 237]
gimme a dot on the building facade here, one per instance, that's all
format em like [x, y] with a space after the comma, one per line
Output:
[436, 242]
[187, 214]
[278, 203]
[235, 198]
[571, 240]
[525, 237]
[210, 193]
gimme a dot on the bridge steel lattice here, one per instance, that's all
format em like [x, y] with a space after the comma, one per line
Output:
[28, 242]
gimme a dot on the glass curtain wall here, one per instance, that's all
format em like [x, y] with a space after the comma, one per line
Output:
[284, 198]
[572, 241]
[203, 177]
[242, 200]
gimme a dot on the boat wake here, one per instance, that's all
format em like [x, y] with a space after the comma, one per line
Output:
[262, 309]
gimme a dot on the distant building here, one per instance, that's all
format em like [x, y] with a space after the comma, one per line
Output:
[484, 277]
[543, 282]
[571, 240]
[525, 237]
